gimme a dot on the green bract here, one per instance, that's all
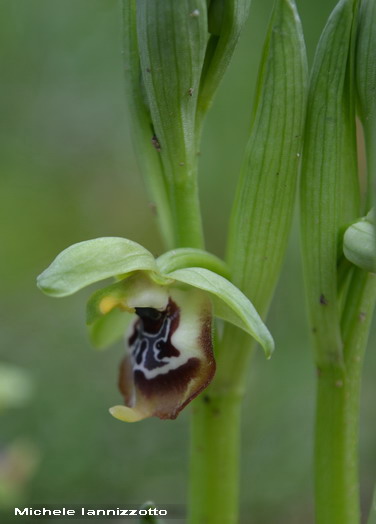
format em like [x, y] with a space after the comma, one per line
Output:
[330, 196]
[226, 19]
[175, 55]
[366, 86]
[264, 202]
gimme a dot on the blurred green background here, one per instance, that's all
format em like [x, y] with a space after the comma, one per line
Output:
[68, 173]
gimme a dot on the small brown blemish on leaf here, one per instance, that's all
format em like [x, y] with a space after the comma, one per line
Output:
[153, 208]
[148, 70]
[181, 164]
[318, 372]
[323, 300]
[156, 143]
[190, 91]
[338, 383]
[362, 316]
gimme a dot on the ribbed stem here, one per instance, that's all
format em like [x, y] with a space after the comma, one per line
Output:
[216, 424]
[337, 412]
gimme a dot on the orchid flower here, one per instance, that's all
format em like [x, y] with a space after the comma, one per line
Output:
[164, 307]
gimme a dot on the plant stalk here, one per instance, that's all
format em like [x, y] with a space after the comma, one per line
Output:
[216, 425]
[337, 412]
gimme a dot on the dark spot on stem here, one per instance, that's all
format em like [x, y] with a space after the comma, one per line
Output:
[156, 143]
[153, 208]
[323, 300]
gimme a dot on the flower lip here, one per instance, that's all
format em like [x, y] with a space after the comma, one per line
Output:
[169, 357]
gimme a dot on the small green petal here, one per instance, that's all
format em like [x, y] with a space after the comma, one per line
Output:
[91, 261]
[109, 328]
[138, 290]
[189, 257]
[229, 303]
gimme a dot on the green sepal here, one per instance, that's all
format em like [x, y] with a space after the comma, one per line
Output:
[189, 257]
[90, 261]
[229, 303]
[359, 244]
[109, 328]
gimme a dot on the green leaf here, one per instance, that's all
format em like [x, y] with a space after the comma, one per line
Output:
[189, 257]
[359, 245]
[229, 303]
[264, 202]
[91, 261]
[109, 328]
[366, 87]
[329, 187]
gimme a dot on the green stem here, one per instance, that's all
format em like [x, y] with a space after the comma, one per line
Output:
[337, 412]
[215, 459]
[187, 215]
[215, 451]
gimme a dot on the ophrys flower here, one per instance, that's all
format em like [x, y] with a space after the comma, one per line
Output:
[164, 308]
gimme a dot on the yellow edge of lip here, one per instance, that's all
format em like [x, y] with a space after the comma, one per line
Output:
[127, 414]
